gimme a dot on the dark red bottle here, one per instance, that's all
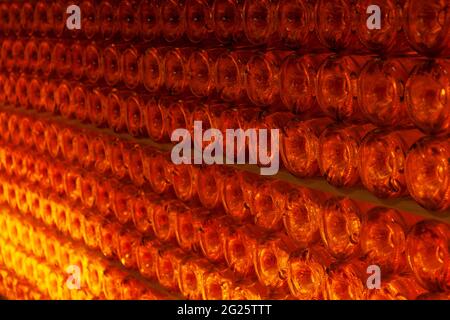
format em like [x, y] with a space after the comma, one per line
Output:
[42, 18]
[199, 21]
[229, 22]
[107, 20]
[426, 25]
[128, 18]
[150, 19]
[173, 19]
[89, 23]
[335, 25]
[389, 38]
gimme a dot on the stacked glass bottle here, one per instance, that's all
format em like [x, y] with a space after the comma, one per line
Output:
[86, 115]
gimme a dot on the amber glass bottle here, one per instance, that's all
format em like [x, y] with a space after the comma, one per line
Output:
[427, 172]
[426, 92]
[428, 256]
[426, 25]
[382, 157]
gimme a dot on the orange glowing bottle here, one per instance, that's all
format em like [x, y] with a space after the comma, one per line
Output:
[338, 153]
[199, 21]
[208, 114]
[7, 55]
[132, 67]
[427, 172]
[298, 82]
[337, 87]
[426, 26]
[187, 225]
[168, 262]
[269, 204]
[233, 197]
[271, 260]
[230, 75]
[179, 114]
[112, 283]
[155, 119]
[18, 55]
[128, 19]
[51, 140]
[201, 71]
[89, 22]
[127, 240]
[34, 92]
[382, 157]
[426, 92]
[184, 181]
[84, 151]
[102, 160]
[260, 21]
[262, 77]
[428, 254]
[62, 99]
[14, 18]
[228, 21]
[300, 145]
[346, 281]
[340, 227]
[381, 91]
[146, 254]
[149, 19]
[122, 206]
[153, 65]
[103, 200]
[307, 273]
[210, 181]
[58, 18]
[296, 24]
[155, 170]
[112, 63]
[301, 216]
[22, 91]
[26, 18]
[240, 246]
[31, 56]
[67, 143]
[134, 105]
[335, 25]
[115, 113]
[93, 63]
[41, 18]
[116, 155]
[108, 231]
[164, 217]
[90, 230]
[10, 89]
[44, 58]
[388, 37]
[173, 20]
[383, 239]
[107, 20]
[212, 234]
[4, 18]
[176, 74]
[133, 156]
[76, 60]
[190, 277]
[97, 103]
